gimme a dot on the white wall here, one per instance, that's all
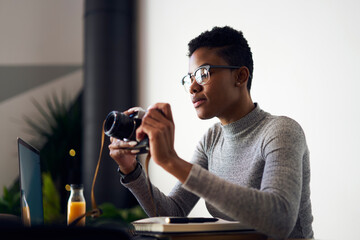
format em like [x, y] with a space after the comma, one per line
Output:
[35, 33]
[306, 56]
[41, 31]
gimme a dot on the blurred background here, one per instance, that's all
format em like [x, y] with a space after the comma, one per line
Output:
[65, 64]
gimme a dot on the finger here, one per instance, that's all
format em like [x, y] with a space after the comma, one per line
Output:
[119, 144]
[154, 116]
[164, 108]
[120, 153]
[155, 130]
[155, 119]
[140, 134]
[115, 142]
[133, 110]
[122, 145]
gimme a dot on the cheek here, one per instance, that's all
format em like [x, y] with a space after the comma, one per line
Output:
[217, 90]
[221, 96]
[216, 99]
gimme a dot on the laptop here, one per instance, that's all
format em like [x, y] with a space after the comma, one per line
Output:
[31, 201]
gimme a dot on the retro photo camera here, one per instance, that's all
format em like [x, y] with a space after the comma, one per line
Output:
[123, 127]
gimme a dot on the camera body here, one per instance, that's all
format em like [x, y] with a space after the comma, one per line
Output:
[123, 127]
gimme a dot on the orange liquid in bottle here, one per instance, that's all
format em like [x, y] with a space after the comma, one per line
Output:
[75, 209]
[26, 216]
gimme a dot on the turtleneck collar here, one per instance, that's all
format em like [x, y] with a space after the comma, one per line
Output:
[232, 129]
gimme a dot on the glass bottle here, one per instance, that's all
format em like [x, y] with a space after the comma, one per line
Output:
[25, 210]
[76, 204]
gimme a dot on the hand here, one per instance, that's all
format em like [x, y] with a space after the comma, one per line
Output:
[125, 158]
[158, 125]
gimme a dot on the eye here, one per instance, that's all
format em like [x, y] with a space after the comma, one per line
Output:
[201, 76]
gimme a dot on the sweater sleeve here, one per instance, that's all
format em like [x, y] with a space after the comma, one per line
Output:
[178, 203]
[272, 209]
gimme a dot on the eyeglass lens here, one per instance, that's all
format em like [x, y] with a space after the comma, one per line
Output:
[201, 76]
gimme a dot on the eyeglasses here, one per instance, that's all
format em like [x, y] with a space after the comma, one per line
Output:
[201, 75]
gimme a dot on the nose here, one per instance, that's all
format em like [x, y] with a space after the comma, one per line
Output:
[195, 87]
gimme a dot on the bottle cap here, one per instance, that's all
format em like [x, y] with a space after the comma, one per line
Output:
[76, 186]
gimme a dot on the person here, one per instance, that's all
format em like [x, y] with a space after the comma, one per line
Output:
[251, 166]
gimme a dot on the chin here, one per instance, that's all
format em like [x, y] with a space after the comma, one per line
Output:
[203, 115]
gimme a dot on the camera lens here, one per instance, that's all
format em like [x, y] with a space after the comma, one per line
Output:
[121, 126]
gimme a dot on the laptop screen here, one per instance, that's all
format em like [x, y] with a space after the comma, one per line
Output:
[30, 184]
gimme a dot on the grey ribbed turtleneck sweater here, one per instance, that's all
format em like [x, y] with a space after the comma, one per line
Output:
[255, 170]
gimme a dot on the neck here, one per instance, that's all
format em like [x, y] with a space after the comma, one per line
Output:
[244, 107]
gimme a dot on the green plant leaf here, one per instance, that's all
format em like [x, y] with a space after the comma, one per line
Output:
[51, 200]
[126, 215]
[10, 201]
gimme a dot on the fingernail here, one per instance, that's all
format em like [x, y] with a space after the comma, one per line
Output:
[132, 143]
[150, 107]
[135, 151]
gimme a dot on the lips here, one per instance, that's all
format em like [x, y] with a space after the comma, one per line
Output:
[198, 101]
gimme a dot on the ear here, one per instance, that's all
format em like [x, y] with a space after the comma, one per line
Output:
[242, 76]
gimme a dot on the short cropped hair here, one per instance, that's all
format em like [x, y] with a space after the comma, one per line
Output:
[231, 44]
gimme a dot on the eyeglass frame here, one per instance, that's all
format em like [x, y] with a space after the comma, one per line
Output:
[207, 67]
